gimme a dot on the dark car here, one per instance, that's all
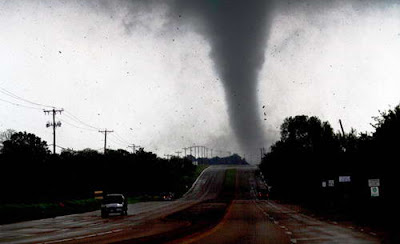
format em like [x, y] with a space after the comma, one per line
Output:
[114, 203]
[168, 196]
[263, 194]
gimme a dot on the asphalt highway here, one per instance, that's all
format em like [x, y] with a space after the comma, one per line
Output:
[191, 219]
[250, 220]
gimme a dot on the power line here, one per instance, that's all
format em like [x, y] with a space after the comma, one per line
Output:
[61, 147]
[8, 93]
[78, 127]
[117, 142]
[68, 114]
[73, 117]
[19, 105]
[121, 138]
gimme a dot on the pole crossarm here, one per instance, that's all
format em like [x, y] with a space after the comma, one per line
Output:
[54, 124]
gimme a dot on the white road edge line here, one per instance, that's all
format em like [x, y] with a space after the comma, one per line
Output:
[84, 237]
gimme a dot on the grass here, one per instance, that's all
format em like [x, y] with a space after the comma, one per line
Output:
[230, 179]
[200, 168]
[10, 213]
[228, 191]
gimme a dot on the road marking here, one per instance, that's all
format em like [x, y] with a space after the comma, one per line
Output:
[293, 240]
[117, 230]
[372, 233]
[84, 237]
[79, 237]
[58, 241]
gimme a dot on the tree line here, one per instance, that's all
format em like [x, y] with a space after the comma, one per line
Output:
[30, 173]
[304, 166]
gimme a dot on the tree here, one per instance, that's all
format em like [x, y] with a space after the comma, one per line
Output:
[307, 134]
[6, 135]
[23, 144]
[302, 157]
[387, 130]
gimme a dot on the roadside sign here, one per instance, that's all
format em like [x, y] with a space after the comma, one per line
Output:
[374, 182]
[98, 195]
[331, 183]
[374, 191]
[323, 183]
[344, 179]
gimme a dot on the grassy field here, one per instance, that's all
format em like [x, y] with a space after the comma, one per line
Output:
[229, 185]
[230, 178]
[199, 168]
[10, 213]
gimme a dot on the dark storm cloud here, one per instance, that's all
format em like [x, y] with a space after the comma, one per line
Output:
[237, 32]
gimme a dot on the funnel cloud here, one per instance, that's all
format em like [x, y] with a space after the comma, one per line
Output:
[237, 32]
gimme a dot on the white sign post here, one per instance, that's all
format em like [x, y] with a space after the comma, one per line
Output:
[344, 179]
[324, 184]
[374, 182]
[375, 191]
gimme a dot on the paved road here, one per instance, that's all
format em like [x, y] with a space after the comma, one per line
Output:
[244, 221]
[250, 220]
[247, 220]
[89, 225]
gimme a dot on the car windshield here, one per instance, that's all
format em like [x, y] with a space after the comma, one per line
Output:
[113, 199]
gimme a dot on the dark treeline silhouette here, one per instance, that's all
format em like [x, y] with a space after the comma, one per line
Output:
[30, 173]
[232, 159]
[310, 153]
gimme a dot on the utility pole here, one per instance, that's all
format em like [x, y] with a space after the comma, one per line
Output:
[211, 153]
[179, 153]
[341, 126]
[105, 138]
[169, 156]
[54, 124]
[134, 148]
[184, 149]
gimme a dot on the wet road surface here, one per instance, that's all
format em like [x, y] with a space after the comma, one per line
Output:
[81, 227]
[249, 220]
[246, 220]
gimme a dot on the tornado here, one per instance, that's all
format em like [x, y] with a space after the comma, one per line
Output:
[237, 31]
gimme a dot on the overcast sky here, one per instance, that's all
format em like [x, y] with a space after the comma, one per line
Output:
[126, 66]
